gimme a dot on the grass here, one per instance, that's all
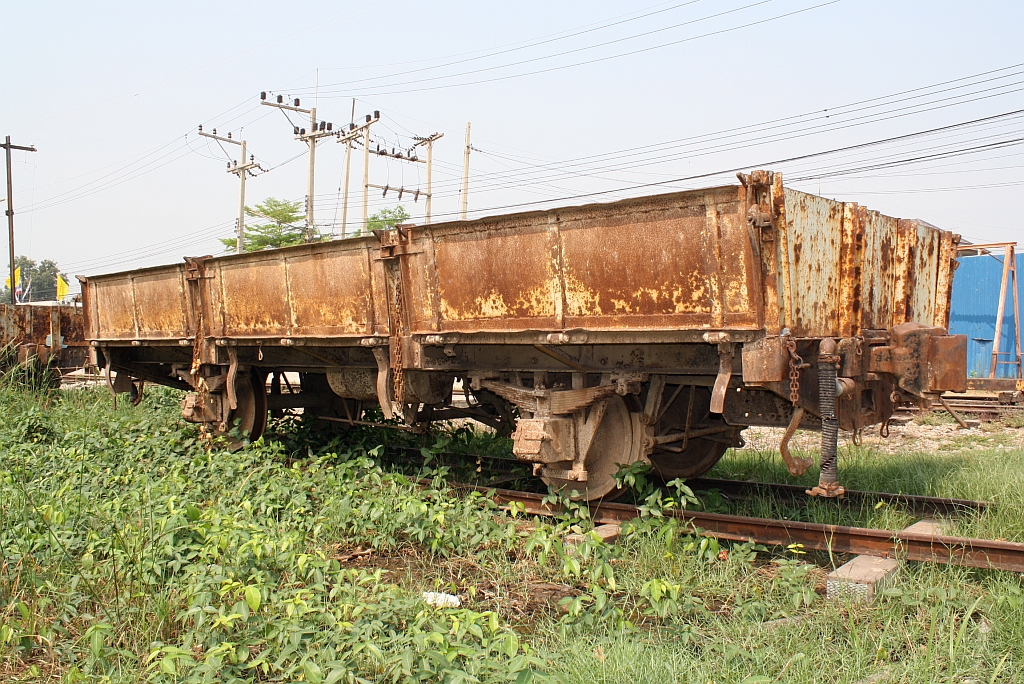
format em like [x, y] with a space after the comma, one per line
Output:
[131, 553]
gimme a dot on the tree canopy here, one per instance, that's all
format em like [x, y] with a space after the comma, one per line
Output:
[282, 225]
[42, 276]
[387, 218]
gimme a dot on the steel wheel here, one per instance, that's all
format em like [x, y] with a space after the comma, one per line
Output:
[699, 457]
[249, 419]
[612, 445]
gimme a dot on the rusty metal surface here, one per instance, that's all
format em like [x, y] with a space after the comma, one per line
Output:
[145, 304]
[323, 290]
[677, 263]
[33, 326]
[855, 269]
[670, 262]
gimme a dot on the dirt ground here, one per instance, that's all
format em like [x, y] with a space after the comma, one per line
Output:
[917, 435]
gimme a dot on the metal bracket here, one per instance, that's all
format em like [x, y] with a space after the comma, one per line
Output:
[383, 372]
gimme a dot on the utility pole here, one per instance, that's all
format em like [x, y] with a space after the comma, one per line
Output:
[316, 131]
[241, 171]
[348, 171]
[465, 176]
[366, 179]
[355, 131]
[428, 142]
[10, 205]
[345, 183]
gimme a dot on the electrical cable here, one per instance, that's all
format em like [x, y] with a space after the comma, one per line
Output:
[596, 60]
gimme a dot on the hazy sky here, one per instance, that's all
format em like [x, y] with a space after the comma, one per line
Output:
[566, 99]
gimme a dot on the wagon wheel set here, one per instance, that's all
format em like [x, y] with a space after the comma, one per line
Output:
[620, 433]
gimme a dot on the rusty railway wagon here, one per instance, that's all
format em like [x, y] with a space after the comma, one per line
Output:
[651, 329]
[47, 334]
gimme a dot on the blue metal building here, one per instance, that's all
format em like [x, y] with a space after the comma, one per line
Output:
[973, 312]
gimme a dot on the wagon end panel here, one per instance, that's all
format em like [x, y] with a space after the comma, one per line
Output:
[879, 281]
[678, 262]
[927, 286]
[815, 234]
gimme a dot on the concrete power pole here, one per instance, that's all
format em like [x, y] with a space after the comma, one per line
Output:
[316, 131]
[465, 176]
[428, 142]
[347, 138]
[10, 205]
[241, 170]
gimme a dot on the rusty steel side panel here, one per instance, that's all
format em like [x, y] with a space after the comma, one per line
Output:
[145, 304]
[322, 290]
[854, 269]
[32, 323]
[671, 262]
[879, 271]
[161, 310]
[686, 263]
[38, 325]
[947, 263]
[924, 267]
[489, 275]
[814, 226]
[502, 277]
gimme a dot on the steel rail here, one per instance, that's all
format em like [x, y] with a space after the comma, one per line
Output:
[916, 503]
[744, 488]
[975, 553]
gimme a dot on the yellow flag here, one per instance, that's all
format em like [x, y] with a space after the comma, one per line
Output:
[17, 278]
[62, 287]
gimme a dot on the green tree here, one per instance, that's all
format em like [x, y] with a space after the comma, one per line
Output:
[283, 225]
[42, 276]
[387, 218]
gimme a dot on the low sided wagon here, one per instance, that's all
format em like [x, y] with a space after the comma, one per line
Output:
[652, 329]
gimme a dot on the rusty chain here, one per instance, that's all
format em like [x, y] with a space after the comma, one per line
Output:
[796, 362]
[396, 337]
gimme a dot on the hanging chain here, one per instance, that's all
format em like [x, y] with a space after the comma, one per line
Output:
[396, 340]
[796, 362]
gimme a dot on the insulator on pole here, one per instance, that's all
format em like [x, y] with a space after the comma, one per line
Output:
[280, 99]
[263, 95]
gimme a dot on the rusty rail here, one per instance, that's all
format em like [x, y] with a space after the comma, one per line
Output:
[918, 504]
[975, 553]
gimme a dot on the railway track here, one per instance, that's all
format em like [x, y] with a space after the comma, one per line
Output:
[983, 408]
[744, 489]
[976, 553]
[926, 505]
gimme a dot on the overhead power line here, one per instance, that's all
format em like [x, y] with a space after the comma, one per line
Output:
[377, 89]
